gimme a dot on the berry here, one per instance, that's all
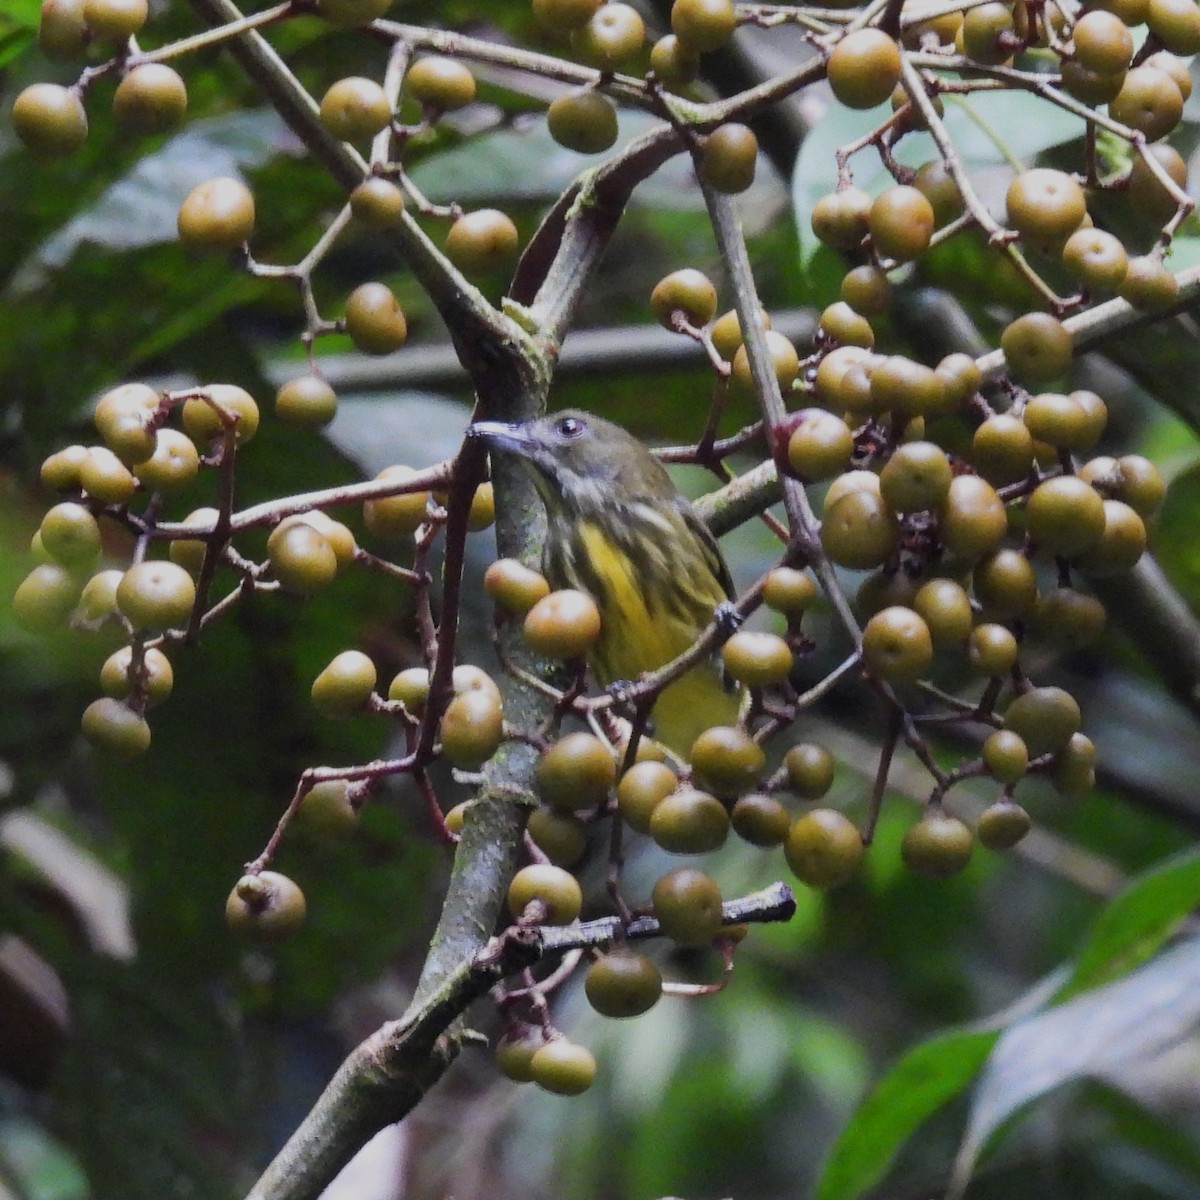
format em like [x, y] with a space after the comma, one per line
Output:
[302, 559]
[396, 516]
[472, 729]
[688, 292]
[917, 477]
[354, 109]
[327, 810]
[824, 848]
[441, 83]
[514, 586]
[809, 769]
[938, 845]
[820, 446]
[728, 157]
[727, 759]
[703, 25]
[377, 203]
[1045, 718]
[622, 984]
[482, 241]
[375, 320]
[174, 463]
[945, 608]
[1065, 516]
[612, 34]
[563, 1068]
[689, 822]
[1006, 755]
[757, 659]
[1045, 205]
[897, 645]
[112, 726]
[1149, 101]
[859, 530]
[640, 791]
[760, 820]
[156, 595]
[564, 624]
[70, 535]
[864, 67]
[788, 591]
[62, 30]
[267, 907]
[50, 120]
[991, 649]
[307, 401]
[1038, 347]
[562, 837]
[972, 519]
[1005, 585]
[217, 215]
[115, 20]
[204, 419]
[583, 121]
[45, 597]
[344, 687]
[576, 773]
[687, 904]
[152, 98]
[156, 682]
[558, 891]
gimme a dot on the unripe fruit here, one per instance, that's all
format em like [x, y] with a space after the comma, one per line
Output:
[174, 463]
[1142, 486]
[689, 822]
[789, 591]
[203, 419]
[1069, 618]
[906, 388]
[824, 848]
[901, 223]
[727, 759]
[673, 63]
[188, 552]
[757, 659]
[784, 361]
[123, 417]
[344, 687]
[945, 608]
[972, 520]
[152, 98]
[703, 25]
[45, 597]
[154, 686]
[1096, 258]
[1074, 772]
[377, 203]
[563, 1068]
[115, 20]
[99, 598]
[70, 535]
[1121, 544]
[156, 595]
[565, 624]
[1038, 347]
[859, 530]
[839, 219]
[809, 769]
[557, 889]
[267, 907]
[375, 320]
[61, 470]
[1045, 205]
[1103, 42]
[897, 646]
[411, 688]
[726, 332]
[583, 121]
[820, 446]
[62, 30]
[514, 586]
[1006, 755]
[1149, 284]
[396, 516]
[112, 726]
[864, 67]
[1005, 585]
[728, 157]
[482, 241]
[1002, 825]
[50, 120]
[991, 649]
[307, 401]
[1002, 449]
[327, 811]
[937, 846]
[1045, 718]
[441, 83]
[302, 559]
[687, 904]
[613, 33]
[1149, 101]
[622, 984]
[576, 773]
[515, 1051]
[760, 820]
[1065, 516]
[217, 215]
[917, 477]
[640, 791]
[688, 292]
[472, 729]
[562, 837]
[105, 477]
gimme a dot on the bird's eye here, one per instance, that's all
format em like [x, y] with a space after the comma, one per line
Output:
[571, 427]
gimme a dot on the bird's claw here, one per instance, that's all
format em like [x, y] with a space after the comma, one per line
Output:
[622, 691]
[727, 618]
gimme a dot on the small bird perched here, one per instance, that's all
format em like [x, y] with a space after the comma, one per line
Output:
[620, 530]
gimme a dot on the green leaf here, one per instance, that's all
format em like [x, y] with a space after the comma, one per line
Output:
[1137, 922]
[1176, 545]
[1103, 1033]
[921, 1082]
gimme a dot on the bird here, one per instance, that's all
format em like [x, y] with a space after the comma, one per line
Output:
[620, 530]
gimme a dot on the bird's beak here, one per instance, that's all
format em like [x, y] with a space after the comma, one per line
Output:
[500, 436]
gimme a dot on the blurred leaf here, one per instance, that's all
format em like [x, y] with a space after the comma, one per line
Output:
[1159, 1135]
[1177, 546]
[1100, 1032]
[40, 1165]
[1137, 922]
[927, 1077]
